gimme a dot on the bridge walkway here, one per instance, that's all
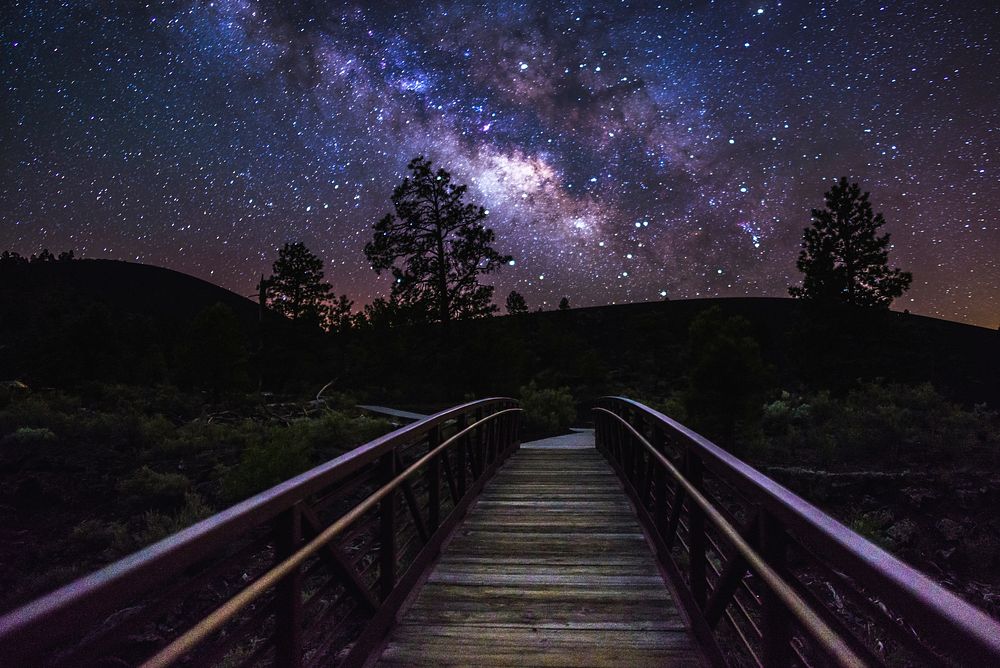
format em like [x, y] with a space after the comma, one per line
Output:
[550, 568]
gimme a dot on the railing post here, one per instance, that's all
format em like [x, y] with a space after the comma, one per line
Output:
[288, 594]
[623, 449]
[777, 633]
[387, 529]
[461, 453]
[659, 483]
[491, 441]
[504, 432]
[696, 528]
[635, 452]
[434, 482]
[598, 433]
[649, 465]
[478, 445]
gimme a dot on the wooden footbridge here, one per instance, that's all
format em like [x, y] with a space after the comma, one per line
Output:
[448, 543]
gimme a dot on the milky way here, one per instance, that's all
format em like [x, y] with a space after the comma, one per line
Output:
[625, 151]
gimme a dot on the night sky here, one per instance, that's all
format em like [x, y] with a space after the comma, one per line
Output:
[625, 151]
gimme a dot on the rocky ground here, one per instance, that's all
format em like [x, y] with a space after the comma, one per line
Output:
[945, 523]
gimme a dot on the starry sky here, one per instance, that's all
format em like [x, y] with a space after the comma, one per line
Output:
[624, 150]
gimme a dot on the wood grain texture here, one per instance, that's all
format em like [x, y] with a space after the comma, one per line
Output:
[549, 569]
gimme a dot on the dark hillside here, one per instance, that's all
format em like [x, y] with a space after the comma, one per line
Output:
[642, 348]
[63, 322]
[100, 319]
[123, 287]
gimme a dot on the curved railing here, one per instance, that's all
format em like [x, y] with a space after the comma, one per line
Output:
[309, 572]
[793, 584]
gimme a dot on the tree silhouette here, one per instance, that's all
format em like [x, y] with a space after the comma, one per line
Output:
[296, 289]
[340, 314]
[564, 304]
[516, 303]
[12, 259]
[436, 247]
[727, 377]
[842, 259]
[214, 354]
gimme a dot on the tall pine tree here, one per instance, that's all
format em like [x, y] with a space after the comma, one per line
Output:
[516, 303]
[436, 247]
[296, 290]
[842, 258]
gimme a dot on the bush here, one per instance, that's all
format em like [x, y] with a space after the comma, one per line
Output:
[876, 423]
[273, 459]
[547, 411]
[159, 525]
[30, 436]
[727, 379]
[334, 432]
[94, 535]
[146, 487]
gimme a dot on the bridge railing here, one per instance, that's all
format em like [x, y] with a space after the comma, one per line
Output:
[767, 578]
[309, 572]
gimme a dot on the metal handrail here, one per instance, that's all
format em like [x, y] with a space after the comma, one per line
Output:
[185, 643]
[39, 627]
[947, 621]
[815, 626]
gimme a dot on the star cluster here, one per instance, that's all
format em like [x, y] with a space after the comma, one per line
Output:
[626, 151]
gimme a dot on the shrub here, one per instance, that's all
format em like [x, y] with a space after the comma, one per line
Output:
[94, 535]
[273, 459]
[146, 487]
[547, 411]
[334, 432]
[727, 379]
[30, 436]
[876, 423]
[157, 525]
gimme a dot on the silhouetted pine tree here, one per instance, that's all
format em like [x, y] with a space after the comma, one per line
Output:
[516, 303]
[842, 259]
[436, 247]
[340, 314]
[296, 289]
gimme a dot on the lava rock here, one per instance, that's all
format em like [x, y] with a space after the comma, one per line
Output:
[950, 529]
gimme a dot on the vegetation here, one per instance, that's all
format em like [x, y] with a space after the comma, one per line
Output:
[877, 425]
[296, 289]
[88, 476]
[842, 259]
[214, 355]
[516, 303]
[14, 259]
[727, 376]
[547, 411]
[154, 428]
[436, 247]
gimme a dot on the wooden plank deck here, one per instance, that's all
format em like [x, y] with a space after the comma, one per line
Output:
[550, 568]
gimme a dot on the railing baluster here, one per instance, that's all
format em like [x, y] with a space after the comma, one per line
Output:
[288, 594]
[461, 454]
[387, 529]
[777, 621]
[478, 442]
[659, 486]
[411, 502]
[449, 476]
[434, 483]
[696, 531]
[491, 442]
